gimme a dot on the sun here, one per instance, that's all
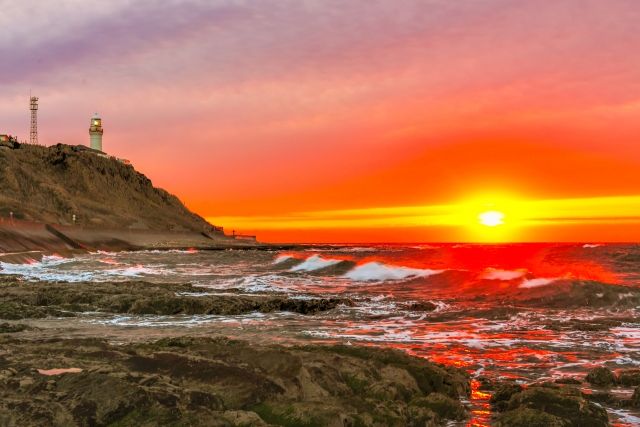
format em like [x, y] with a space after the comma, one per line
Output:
[491, 218]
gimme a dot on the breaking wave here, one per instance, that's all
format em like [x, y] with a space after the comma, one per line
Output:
[377, 271]
[492, 274]
[315, 262]
[535, 283]
[283, 258]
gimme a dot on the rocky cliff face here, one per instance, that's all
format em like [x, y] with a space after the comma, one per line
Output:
[51, 184]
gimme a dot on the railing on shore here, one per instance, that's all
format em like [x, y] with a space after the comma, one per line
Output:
[245, 237]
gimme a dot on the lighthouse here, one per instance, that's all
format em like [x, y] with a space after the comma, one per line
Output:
[95, 132]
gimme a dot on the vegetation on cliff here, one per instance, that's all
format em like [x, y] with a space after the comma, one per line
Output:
[51, 184]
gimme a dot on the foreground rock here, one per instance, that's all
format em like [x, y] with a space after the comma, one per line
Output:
[548, 405]
[222, 382]
[629, 378]
[21, 299]
[602, 376]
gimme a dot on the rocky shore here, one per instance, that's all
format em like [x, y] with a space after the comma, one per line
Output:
[23, 299]
[222, 382]
[218, 381]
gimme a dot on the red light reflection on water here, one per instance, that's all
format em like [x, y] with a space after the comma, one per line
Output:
[480, 413]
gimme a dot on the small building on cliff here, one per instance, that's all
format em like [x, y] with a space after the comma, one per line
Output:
[95, 140]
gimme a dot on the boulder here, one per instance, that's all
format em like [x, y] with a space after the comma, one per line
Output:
[568, 380]
[421, 306]
[602, 376]
[563, 403]
[635, 399]
[443, 406]
[244, 418]
[629, 378]
[522, 417]
[503, 392]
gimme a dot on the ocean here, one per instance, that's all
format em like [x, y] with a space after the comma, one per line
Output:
[525, 312]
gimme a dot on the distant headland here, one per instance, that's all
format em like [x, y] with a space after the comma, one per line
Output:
[66, 197]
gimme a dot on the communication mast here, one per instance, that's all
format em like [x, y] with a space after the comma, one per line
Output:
[34, 120]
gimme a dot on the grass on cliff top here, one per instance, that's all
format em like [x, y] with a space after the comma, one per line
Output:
[51, 184]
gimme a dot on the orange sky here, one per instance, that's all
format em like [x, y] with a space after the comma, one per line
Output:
[258, 113]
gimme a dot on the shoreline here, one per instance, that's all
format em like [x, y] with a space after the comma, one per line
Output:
[208, 379]
[22, 242]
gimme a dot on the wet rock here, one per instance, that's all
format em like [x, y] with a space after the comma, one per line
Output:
[150, 380]
[568, 380]
[244, 418]
[383, 390]
[500, 398]
[562, 403]
[443, 406]
[488, 384]
[186, 342]
[421, 306]
[197, 399]
[594, 325]
[429, 377]
[420, 417]
[8, 328]
[601, 376]
[635, 399]
[524, 417]
[311, 414]
[25, 300]
[17, 311]
[601, 397]
[25, 383]
[629, 378]
[221, 382]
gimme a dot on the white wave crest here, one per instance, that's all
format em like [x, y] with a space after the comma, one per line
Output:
[535, 283]
[377, 271]
[588, 245]
[492, 274]
[283, 258]
[137, 271]
[315, 262]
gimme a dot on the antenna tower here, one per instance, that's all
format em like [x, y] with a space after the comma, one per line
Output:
[34, 120]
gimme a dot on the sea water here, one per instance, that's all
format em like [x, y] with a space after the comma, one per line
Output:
[497, 311]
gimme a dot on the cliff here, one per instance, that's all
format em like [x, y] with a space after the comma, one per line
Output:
[51, 184]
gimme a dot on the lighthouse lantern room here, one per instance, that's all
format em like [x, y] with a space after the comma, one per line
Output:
[95, 132]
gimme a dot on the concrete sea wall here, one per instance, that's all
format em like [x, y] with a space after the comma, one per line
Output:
[24, 241]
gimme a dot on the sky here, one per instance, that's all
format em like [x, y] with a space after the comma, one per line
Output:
[353, 120]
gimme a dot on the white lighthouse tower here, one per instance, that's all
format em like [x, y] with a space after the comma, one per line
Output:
[95, 132]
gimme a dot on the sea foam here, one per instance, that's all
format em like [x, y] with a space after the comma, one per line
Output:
[492, 274]
[377, 271]
[535, 283]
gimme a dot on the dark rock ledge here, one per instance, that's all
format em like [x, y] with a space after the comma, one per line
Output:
[22, 299]
[222, 382]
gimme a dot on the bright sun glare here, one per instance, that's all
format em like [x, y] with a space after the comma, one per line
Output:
[491, 218]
